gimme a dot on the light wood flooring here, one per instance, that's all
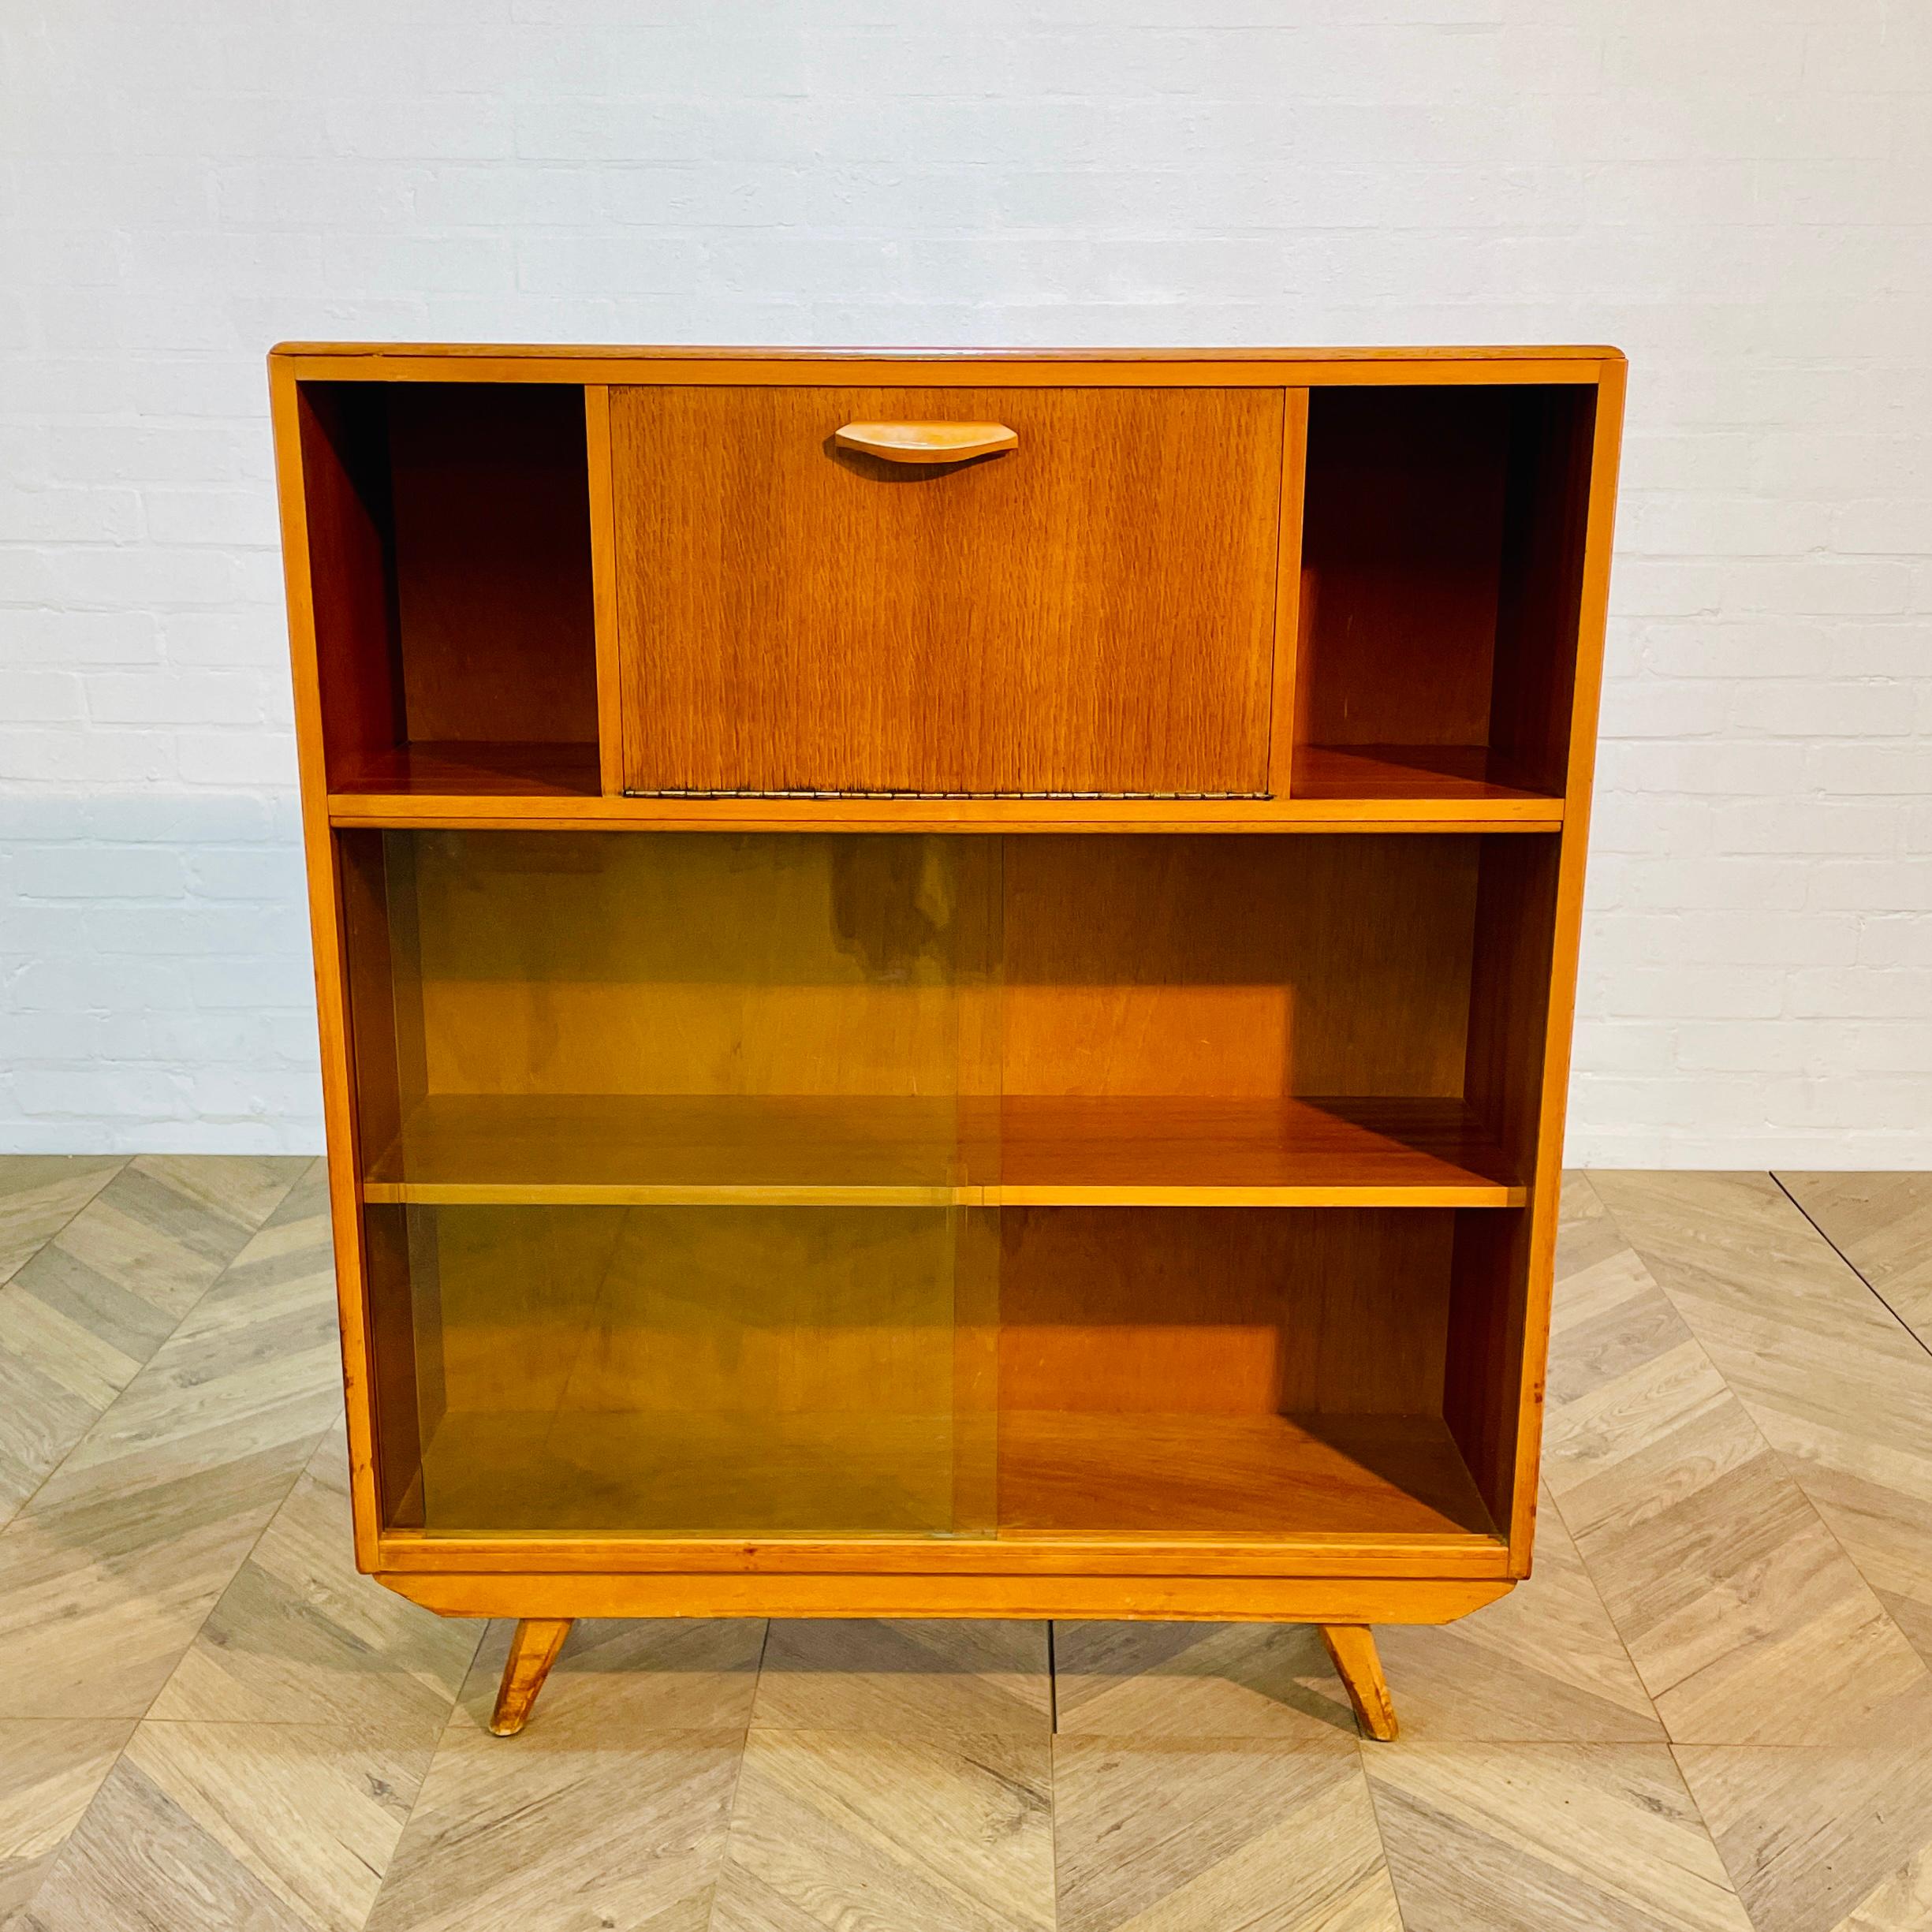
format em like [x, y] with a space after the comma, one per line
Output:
[1711, 1708]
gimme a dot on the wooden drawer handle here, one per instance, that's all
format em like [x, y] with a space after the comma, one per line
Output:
[926, 442]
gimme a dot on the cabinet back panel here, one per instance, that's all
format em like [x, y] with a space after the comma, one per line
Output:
[1093, 611]
[1224, 1311]
[869, 965]
[1237, 966]
[1402, 538]
[493, 562]
[695, 1369]
[702, 964]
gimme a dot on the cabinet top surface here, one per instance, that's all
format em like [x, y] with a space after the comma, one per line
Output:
[1585, 356]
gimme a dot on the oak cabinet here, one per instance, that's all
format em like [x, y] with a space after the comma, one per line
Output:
[945, 981]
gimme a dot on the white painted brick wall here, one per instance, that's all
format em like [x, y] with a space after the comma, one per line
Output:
[1734, 191]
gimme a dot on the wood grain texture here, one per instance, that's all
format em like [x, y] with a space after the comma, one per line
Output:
[636, 1677]
[300, 1638]
[956, 1679]
[49, 1770]
[431, 770]
[1222, 968]
[311, 1813]
[604, 586]
[1286, 673]
[1436, 773]
[534, 1645]
[925, 443]
[586, 1820]
[1882, 1224]
[683, 366]
[532, 808]
[1224, 1313]
[272, 1795]
[1235, 968]
[1124, 1599]
[1744, 1617]
[1351, 1649]
[39, 1194]
[1401, 538]
[1161, 1832]
[1542, 1664]
[1197, 1682]
[1823, 1841]
[830, 1473]
[120, 1251]
[108, 1572]
[332, 454]
[492, 563]
[137, 1854]
[901, 1150]
[1349, 1558]
[290, 408]
[1840, 1387]
[1073, 1472]
[1092, 612]
[843, 1828]
[1538, 1273]
[1548, 1838]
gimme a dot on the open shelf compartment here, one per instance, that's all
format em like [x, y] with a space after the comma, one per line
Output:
[951, 1019]
[1021, 1374]
[1442, 577]
[450, 552]
[1091, 1150]
[834, 1185]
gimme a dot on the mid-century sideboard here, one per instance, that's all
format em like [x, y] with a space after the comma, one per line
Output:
[945, 978]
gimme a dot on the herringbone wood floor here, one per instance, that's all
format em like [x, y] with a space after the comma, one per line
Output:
[1711, 1708]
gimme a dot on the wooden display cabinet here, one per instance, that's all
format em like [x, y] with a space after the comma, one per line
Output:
[946, 980]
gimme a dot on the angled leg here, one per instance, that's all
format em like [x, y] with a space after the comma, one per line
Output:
[1351, 1649]
[533, 1649]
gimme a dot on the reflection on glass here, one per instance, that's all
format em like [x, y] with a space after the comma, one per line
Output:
[668, 1370]
[673, 1130]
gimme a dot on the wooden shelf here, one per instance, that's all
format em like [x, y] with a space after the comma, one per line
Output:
[1117, 1151]
[691, 1472]
[1035, 1475]
[492, 804]
[1414, 774]
[404, 776]
[1077, 1473]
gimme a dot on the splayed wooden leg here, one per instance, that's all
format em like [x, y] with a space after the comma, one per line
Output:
[1351, 1650]
[533, 1649]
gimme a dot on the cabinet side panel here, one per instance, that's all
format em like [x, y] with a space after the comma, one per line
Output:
[610, 763]
[312, 540]
[1489, 1286]
[1546, 1202]
[1508, 1031]
[1287, 639]
[1499, 1323]
[394, 1278]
